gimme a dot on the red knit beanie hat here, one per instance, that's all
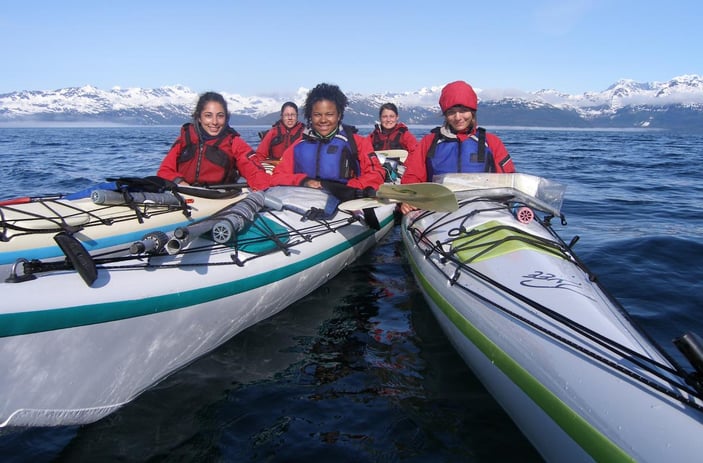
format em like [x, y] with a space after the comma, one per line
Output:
[458, 93]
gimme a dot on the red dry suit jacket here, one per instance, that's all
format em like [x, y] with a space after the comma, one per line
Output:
[371, 174]
[416, 163]
[283, 137]
[199, 170]
[400, 135]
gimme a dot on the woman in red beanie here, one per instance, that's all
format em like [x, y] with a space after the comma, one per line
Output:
[459, 145]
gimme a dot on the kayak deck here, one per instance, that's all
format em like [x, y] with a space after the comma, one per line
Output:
[554, 348]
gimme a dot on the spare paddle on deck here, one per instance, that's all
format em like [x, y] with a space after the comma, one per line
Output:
[427, 196]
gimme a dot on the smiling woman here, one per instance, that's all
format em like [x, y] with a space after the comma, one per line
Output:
[330, 155]
[459, 145]
[209, 151]
[212, 118]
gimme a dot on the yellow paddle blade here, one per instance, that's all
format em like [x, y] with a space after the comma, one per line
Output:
[428, 196]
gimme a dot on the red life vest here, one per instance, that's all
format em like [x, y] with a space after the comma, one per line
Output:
[388, 140]
[283, 138]
[207, 162]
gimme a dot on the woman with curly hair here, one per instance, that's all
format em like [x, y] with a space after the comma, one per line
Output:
[330, 155]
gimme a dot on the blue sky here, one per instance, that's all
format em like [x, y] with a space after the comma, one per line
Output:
[273, 48]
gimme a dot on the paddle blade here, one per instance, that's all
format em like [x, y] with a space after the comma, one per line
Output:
[428, 196]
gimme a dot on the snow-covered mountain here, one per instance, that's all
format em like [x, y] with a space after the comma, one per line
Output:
[677, 103]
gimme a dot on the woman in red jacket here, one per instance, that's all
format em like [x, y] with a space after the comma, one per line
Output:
[459, 145]
[208, 151]
[330, 155]
[281, 135]
[389, 133]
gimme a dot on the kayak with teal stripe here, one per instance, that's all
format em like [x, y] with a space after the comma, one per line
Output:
[85, 335]
[580, 379]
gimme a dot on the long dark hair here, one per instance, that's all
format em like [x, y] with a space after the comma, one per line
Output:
[206, 98]
[328, 92]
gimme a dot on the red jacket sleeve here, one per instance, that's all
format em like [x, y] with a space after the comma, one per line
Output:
[262, 151]
[408, 141]
[256, 176]
[501, 159]
[283, 172]
[415, 165]
[372, 173]
[169, 165]
[369, 137]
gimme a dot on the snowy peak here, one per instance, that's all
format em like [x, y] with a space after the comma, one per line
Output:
[174, 104]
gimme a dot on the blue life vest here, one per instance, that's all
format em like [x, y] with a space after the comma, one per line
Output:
[447, 155]
[334, 159]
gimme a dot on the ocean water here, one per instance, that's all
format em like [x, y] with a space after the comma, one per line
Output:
[359, 371]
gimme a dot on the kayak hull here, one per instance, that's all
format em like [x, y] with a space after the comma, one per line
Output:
[521, 315]
[72, 353]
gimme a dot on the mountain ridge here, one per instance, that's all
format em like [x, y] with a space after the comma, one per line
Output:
[674, 104]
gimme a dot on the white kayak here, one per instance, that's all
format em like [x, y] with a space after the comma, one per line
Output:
[559, 354]
[81, 337]
[100, 217]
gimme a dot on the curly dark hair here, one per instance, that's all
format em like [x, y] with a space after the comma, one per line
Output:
[328, 92]
[206, 98]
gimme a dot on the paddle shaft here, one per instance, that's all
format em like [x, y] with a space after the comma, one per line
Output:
[28, 199]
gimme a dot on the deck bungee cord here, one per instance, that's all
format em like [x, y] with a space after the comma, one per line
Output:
[137, 198]
[83, 217]
[675, 382]
[282, 241]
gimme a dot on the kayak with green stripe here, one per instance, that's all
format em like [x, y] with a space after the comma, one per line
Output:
[564, 359]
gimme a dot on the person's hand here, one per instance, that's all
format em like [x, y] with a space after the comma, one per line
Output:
[405, 208]
[312, 183]
[180, 181]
